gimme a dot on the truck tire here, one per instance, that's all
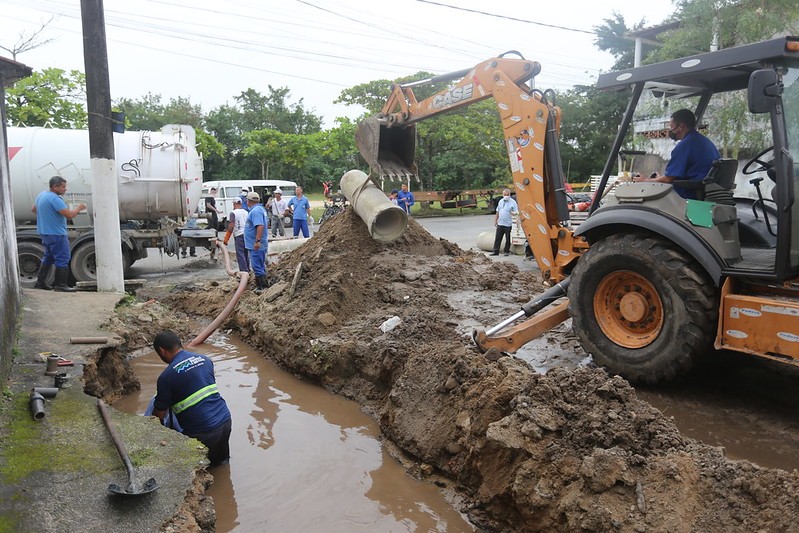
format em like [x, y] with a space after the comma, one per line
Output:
[641, 308]
[29, 255]
[83, 263]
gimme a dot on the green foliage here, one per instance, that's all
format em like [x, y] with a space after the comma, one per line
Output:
[736, 23]
[612, 38]
[588, 128]
[50, 97]
[373, 95]
[148, 113]
[125, 301]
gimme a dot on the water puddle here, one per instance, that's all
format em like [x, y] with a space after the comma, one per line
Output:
[302, 459]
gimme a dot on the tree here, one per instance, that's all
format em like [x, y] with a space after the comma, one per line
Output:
[273, 111]
[588, 129]
[612, 37]
[50, 97]
[706, 24]
[148, 113]
[27, 41]
[725, 23]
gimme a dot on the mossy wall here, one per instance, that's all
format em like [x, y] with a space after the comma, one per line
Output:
[9, 278]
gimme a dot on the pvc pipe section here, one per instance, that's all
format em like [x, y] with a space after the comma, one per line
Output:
[280, 246]
[384, 220]
[244, 278]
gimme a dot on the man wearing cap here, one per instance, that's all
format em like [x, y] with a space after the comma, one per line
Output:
[244, 192]
[255, 239]
[277, 206]
[236, 222]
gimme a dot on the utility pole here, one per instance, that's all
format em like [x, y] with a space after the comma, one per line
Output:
[105, 200]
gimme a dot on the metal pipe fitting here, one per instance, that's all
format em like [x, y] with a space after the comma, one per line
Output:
[36, 404]
[47, 392]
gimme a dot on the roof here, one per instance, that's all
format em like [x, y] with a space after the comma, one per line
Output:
[12, 71]
[719, 71]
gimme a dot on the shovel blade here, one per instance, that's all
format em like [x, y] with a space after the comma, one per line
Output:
[149, 486]
[388, 151]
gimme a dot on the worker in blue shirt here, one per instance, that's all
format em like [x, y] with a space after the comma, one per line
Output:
[691, 159]
[405, 199]
[301, 210]
[255, 240]
[188, 387]
[51, 224]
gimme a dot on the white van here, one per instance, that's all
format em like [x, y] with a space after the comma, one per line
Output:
[229, 190]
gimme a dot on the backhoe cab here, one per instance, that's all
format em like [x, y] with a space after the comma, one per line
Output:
[655, 281]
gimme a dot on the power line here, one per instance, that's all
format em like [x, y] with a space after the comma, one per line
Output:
[554, 26]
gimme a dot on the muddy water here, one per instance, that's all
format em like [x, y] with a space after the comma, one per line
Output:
[301, 458]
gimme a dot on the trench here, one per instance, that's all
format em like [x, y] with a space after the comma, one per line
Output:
[302, 459]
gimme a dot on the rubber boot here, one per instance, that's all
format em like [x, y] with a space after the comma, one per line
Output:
[41, 281]
[260, 284]
[61, 276]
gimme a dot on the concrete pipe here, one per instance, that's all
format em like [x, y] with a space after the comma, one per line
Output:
[280, 246]
[384, 220]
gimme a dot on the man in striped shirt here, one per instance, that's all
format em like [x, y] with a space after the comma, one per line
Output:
[188, 387]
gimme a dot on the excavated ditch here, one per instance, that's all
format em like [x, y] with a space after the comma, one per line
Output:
[572, 449]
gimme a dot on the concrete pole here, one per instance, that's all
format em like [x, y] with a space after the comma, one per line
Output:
[105, 201]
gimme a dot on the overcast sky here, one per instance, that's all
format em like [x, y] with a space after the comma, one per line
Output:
[212, 51]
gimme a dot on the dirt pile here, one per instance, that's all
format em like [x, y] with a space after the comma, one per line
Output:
[569, 450]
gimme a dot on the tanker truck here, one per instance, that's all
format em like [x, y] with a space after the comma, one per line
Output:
[159, 176]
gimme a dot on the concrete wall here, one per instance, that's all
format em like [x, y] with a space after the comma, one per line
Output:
[9, 279]
[10, 293]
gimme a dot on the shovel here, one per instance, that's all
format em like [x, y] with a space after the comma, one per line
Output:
[149, 485]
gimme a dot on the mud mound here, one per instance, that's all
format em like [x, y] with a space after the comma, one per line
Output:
[565, 451]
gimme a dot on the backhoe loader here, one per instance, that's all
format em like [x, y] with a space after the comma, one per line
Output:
[651, 281]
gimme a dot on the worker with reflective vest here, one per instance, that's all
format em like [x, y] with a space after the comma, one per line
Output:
[188, 388]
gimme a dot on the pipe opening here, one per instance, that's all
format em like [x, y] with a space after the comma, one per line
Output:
[389, 224]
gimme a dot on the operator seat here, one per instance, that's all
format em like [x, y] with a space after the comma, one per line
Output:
[718, 185]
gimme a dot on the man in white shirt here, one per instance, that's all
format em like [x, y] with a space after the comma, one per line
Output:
[237, 219]
[277, 206]
[504, 221]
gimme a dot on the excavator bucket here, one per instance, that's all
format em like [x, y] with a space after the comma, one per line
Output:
[388, 151]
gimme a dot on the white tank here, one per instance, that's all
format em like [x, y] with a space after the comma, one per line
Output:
[159, 173]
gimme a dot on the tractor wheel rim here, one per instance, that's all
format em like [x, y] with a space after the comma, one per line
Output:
[628, 309]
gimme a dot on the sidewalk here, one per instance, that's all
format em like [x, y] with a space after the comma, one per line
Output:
[55, 472]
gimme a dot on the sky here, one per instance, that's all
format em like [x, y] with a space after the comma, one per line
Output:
[210, 51]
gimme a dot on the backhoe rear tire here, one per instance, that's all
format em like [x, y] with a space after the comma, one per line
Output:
[641, 308]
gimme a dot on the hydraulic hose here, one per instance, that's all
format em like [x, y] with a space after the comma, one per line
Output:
[244, 278]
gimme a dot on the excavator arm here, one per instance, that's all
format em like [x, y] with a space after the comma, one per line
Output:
[530, 123]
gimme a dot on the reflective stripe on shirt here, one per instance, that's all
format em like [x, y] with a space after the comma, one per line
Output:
[195, 398]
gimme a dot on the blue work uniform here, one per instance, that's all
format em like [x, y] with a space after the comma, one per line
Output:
[257, 217]
[300, 217]
[52, 228]
[691, 159]
[188, 387]
[405, 200]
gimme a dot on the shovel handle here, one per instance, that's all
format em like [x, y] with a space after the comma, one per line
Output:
[123, 452]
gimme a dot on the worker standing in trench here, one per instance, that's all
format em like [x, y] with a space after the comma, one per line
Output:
[255, 239]
[188, 387]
